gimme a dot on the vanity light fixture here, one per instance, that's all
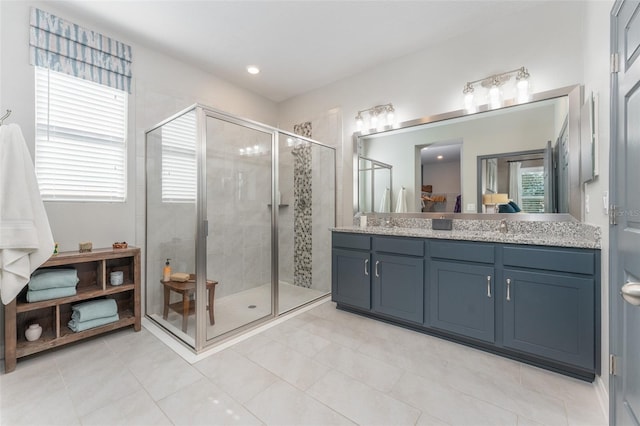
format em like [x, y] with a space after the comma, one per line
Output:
[379, 117]
[494, 85]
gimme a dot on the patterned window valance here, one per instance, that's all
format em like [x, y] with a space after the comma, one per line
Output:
[66, 47]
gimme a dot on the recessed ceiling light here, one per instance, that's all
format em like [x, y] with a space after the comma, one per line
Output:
[439, 157]
[252, 69]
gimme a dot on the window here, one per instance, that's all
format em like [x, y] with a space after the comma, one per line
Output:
[532, 179]
[81, 139]
[179, 160]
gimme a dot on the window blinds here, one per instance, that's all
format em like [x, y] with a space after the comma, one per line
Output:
[179, 168]
[81, 130]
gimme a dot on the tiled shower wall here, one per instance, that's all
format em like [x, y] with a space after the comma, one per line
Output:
[302, 210]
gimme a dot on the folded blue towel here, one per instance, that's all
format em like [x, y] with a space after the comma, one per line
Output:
[44, 279]
[85, 325]
[51, 293]
[93, 309]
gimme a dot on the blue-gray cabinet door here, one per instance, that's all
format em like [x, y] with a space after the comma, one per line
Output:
[350, 278]
[398, 286]
[550, 315]
[462, 299]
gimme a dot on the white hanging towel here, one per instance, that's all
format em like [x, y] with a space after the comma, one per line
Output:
[401, 205]
[384, 203]
[26, 241]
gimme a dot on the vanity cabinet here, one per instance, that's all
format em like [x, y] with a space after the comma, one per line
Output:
[549, 304]
[350, 272]
[461, 288]
[537, 304]
[462, 299]
[398, 279]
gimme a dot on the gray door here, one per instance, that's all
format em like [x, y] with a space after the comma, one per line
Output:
[625, 242]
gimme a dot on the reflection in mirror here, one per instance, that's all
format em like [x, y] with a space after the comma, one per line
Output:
[515, 182]
[450, 184]
[376, 185]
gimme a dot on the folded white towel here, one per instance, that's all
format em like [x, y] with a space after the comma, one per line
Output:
[25, 235]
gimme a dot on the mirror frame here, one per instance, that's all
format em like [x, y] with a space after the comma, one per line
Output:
[575, 94]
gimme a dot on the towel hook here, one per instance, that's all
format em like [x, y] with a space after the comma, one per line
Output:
[4, 117]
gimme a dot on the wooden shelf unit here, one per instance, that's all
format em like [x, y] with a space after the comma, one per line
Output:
[53, 315]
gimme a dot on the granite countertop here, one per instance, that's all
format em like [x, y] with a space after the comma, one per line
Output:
[558, 234]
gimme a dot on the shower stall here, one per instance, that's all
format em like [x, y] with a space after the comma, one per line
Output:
[241, 212]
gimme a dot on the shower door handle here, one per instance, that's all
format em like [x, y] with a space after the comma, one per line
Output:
[366, 267]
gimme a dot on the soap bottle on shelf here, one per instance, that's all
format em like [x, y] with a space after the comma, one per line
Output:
[166, 271]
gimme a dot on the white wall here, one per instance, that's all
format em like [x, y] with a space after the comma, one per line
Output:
[161, 87]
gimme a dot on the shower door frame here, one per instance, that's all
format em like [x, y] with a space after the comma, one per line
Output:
[202, 113]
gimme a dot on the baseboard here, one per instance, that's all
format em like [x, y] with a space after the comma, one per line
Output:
[603, 395]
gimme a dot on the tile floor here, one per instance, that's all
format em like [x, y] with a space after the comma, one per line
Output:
[322, 367]
[232, 311]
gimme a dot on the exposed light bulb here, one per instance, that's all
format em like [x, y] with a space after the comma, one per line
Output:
[522, 88]
[374, 119]
[469, 103]
[495, 97]
[359, 121]
[252, 69]
[241, 151]
[391, 116]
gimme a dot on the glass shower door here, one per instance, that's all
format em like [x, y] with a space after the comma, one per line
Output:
[239, 215]
[171, 224]
[306, 211]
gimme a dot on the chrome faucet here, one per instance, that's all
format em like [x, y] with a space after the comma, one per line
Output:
[503, 226]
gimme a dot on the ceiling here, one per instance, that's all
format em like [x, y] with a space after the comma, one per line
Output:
[299, 45]
[450, 152]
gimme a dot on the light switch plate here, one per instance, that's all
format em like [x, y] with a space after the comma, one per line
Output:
[471, 207]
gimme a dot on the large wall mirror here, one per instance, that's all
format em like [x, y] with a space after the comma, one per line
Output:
[475, 163]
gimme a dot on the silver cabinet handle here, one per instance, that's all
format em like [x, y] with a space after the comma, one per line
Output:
[508, 289]
[631, 293]
[488, 285]
[366, 267]
[377, 263]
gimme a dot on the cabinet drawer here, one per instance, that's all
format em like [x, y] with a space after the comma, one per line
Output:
[550, 259]
[403, 245]
[352, 241]
[470, 252]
